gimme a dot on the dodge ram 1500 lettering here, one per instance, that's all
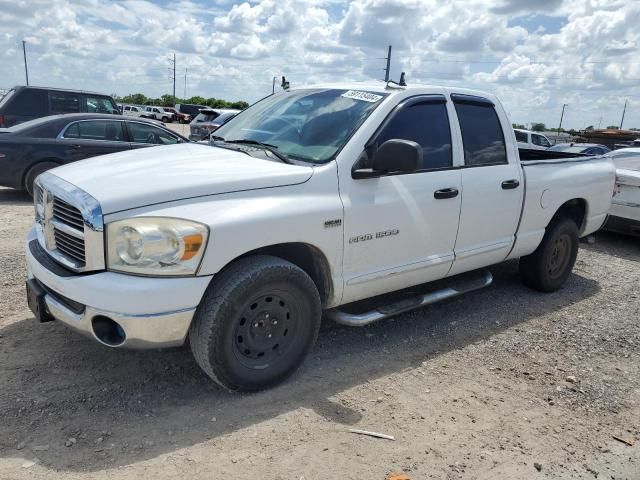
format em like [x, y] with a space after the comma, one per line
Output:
[308, 201]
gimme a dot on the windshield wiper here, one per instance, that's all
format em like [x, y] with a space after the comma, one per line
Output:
[267, 146]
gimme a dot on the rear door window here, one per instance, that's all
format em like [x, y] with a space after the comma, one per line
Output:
[96, 130]
[425, 122]
[482, 135]
[64, 102]
[143, 133]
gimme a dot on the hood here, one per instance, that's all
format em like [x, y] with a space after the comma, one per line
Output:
[147, 176]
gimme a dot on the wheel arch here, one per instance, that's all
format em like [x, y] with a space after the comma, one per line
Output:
[575, 209]
[305, 256]
[27, 170]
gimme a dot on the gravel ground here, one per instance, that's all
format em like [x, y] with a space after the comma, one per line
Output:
[504, 383]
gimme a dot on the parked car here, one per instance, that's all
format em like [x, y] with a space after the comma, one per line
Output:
[208, 121]
[189, 109]
[581, 148]
[23, 103]
[625, 207]
[241, 246]
[133, 111]
[157, 113]
[531, 140]
[180, 117]
[28, 149]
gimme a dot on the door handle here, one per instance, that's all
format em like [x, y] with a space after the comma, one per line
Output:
[510, 184]
[75, 146]
[445, 193]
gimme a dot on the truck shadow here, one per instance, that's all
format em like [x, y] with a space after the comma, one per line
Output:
[9, 196]
[124, 407]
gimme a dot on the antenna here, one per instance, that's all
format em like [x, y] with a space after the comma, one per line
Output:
[388, 69]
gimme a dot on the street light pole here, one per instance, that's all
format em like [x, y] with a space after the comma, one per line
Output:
[564, 105]
[623, 112]
[24, 53]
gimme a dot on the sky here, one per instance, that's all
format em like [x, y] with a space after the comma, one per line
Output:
[536, 55]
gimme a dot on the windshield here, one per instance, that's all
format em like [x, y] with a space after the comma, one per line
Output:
[310, 125]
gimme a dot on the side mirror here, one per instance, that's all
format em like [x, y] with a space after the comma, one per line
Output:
[392, 156]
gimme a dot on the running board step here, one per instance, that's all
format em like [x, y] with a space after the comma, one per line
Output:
[405, 305]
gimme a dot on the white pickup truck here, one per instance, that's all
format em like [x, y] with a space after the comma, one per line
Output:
[309, 201]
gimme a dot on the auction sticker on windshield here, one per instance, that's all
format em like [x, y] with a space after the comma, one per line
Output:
[364, 96]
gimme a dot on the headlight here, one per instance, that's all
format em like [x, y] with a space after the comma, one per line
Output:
[156, 246]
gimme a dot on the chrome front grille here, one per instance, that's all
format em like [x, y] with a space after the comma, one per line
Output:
[70, 246]
[69, 224]
[67, 214]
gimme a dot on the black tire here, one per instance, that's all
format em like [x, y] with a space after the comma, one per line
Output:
[550, 265]
[33, 173]
[256, 323]
[165, 120]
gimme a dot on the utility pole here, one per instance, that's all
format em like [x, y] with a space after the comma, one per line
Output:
[24, 53]
[185, 84]
[388, 68]
[599, 123]
[623, 112]
[564, 105]
[173, 74]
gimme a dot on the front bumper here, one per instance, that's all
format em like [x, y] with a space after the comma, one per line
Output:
[149, 312]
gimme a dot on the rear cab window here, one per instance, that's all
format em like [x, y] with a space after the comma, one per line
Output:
[482, 135]
[521, 136]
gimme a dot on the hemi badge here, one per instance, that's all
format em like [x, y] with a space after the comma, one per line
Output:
[333, 223]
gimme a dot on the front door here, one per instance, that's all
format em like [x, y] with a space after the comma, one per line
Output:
[492, 187]
[400, 228]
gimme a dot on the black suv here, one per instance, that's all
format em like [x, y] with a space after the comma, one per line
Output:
[21, 103]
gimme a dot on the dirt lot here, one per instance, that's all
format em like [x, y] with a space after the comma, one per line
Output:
[504, 383]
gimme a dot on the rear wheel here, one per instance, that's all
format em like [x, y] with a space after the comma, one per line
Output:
[548, 267]
[256, 323]
[33, 173]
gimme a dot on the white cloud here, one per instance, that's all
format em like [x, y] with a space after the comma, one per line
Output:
[232, 49]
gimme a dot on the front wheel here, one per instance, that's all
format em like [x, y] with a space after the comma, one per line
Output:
[257, 322]
[548, 267]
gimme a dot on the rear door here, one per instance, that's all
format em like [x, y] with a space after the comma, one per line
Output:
[492, 187]
[90, 138]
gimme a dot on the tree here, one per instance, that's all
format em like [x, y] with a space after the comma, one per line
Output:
[167, 100]
[538, 127]
[612, 127]
[517, 125]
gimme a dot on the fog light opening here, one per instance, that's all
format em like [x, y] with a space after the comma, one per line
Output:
[107, 331]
